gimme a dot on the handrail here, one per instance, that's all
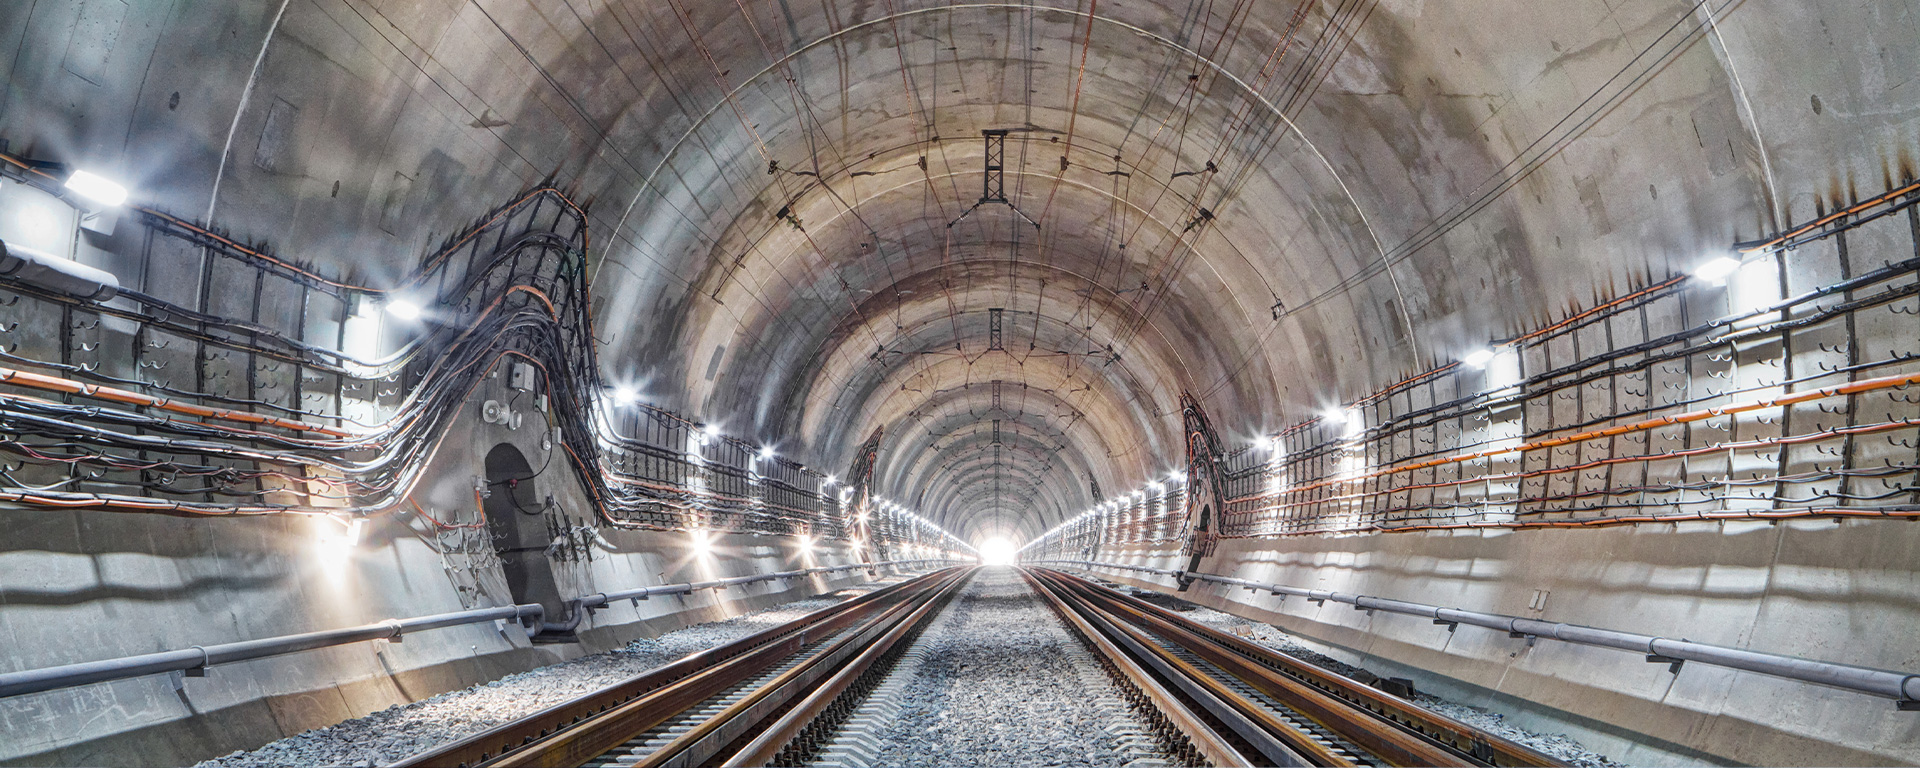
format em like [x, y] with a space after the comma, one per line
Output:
[1900, 686]
[193, 660]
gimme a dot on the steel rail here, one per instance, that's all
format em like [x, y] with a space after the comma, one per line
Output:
[1903, 687]
[646, 699]
[1354, 709]
[1388, 743]
[1389, 729]
[765, 748]
[715, 736]
[1279, 743]
[1464, 738]
[1210, 745]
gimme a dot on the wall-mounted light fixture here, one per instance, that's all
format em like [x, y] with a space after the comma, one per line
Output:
[404, 309]
[97, 188]
[1716, 270]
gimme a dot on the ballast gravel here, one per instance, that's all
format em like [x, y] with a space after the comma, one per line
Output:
[396, 732]
[1556, 745]
[1002, 682]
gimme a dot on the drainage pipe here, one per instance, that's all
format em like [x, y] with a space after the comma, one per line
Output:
[1901, 686]
[638, 594]
[194, 660]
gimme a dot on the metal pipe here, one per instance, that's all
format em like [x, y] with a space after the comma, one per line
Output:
[1901, 686]
[198, 658]
[45, 270]
[600, 600]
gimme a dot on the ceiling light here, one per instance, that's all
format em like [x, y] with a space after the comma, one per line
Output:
[97, 188]
[1478, 358]
[1716, 270]
[403, 309]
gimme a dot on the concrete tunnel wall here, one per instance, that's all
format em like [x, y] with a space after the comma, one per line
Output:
[174, 584]
[371, 130]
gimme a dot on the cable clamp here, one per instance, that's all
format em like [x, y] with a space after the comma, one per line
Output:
[201, 670]
[1673, 664]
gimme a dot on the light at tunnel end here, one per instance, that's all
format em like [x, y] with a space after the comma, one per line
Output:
[996, 551]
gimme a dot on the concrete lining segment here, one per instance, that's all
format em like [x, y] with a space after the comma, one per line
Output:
[411, 116]
[628, 100]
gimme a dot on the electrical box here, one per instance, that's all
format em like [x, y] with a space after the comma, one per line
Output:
[520, 377]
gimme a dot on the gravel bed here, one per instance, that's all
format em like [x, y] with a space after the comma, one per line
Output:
[404, 729]
[991, 689]
[1554, 744]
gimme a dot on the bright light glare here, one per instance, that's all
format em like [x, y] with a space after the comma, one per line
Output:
[1335, 417]
[766, 452]
[97, 188]
[403, 309]
[1266, 443]
[1717, 270]
[831, 481]
[806, 544]
[711, 430]
[335, 546]
[996, 551]
[40, 224]
[625, 396]
[1478, 358]
[701, 543]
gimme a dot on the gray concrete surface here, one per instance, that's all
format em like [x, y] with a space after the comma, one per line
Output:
[770, 187]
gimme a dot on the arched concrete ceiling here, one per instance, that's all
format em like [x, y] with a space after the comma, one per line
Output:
[1274, 204]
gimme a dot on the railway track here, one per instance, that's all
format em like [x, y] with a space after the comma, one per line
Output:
[776, 697]
[1235, 702]
[736, 704]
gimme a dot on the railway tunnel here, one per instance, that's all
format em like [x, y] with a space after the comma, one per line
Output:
[1337, 382]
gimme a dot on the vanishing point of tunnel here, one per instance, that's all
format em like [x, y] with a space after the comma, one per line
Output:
[909, 383]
